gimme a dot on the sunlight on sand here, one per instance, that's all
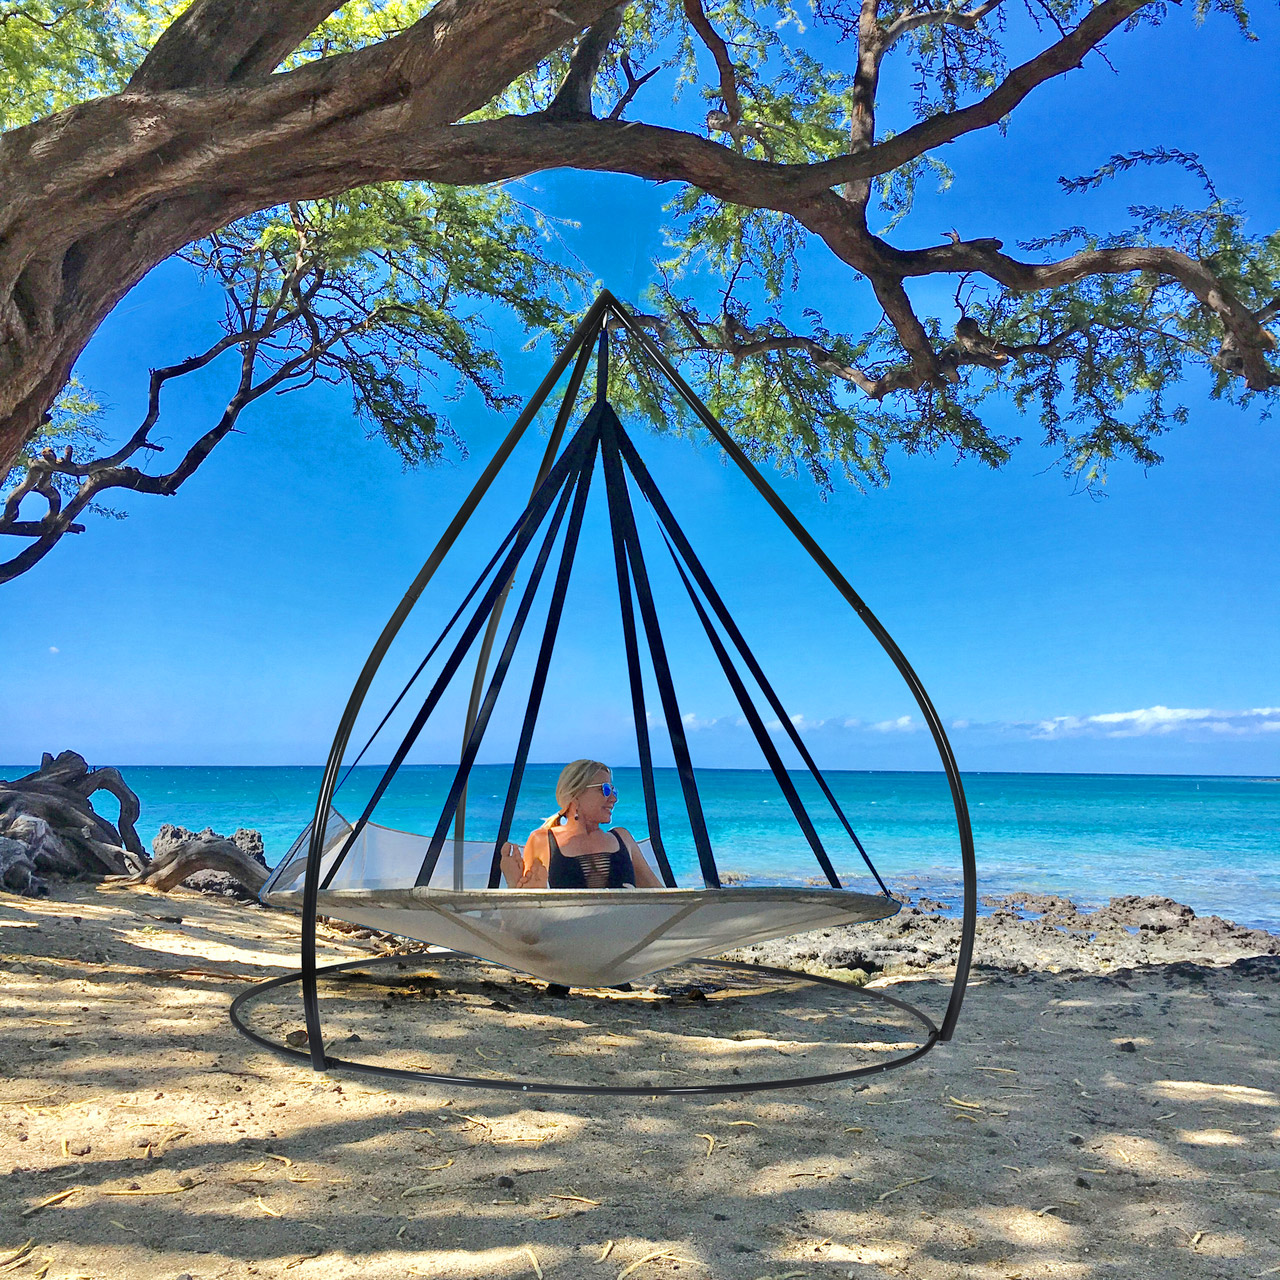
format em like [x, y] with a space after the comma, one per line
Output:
[1211, 1138]
[1201, 1091]
[218, 952]
[1144, 1155]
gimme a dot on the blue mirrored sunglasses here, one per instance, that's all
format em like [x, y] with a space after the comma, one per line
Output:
[607, 789]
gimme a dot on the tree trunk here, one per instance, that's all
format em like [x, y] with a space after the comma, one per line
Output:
[97, 195]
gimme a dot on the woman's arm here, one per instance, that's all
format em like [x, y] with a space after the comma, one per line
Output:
[527, 868]
[646, 877]
[537, 860]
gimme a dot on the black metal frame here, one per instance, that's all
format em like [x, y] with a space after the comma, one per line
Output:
[556, 1086]
[570, 472]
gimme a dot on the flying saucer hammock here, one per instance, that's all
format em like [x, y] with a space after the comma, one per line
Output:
[398, 882]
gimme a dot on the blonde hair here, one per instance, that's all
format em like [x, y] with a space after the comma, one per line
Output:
[574, 779]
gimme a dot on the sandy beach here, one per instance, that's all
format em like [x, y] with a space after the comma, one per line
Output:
[1110, 1107]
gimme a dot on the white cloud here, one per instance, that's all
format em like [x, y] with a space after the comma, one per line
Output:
[903, 724]
[1147, 721]
[53, 648]
[1204, 723]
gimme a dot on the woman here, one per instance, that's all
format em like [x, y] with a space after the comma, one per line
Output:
[571, 850]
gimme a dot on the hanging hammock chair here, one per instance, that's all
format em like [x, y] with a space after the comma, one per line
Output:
[446, 890]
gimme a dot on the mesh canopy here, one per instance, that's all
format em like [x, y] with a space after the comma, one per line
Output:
[380, 858]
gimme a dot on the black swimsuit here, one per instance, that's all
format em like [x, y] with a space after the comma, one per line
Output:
[568, 873]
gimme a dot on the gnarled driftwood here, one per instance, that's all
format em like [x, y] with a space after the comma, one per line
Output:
[50, 815]
[205, 860]
[48, 826]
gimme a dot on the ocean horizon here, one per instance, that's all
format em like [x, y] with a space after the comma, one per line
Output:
[1211, 841]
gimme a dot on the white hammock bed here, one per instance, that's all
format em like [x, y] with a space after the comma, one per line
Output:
[578, 937]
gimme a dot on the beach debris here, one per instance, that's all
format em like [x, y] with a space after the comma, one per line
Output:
[234, 866]
[608, 1249]
[296, 1038]
[710, 1140]
[56, 1198]
[8, 1259]
[902, 1186]
[533, 1261]
[187, 1184]
[657, 1256]
[506, 1182]
[1127, 1046]
[579, 1199]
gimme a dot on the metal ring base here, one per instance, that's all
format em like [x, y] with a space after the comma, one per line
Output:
[332, 1063]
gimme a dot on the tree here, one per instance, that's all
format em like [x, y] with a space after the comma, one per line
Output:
[244, 132]
[373, 289]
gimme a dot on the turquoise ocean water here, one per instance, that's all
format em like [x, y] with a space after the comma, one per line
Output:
[1211, 842]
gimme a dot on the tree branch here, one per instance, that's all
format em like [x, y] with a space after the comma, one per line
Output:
[229, 41]
[1251, 342]
[715, 44]
[634, 84]
[574, 97]
[872, 46]
[137, 152]
[966, 19]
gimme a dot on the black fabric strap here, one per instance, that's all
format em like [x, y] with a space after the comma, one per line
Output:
[448, 626]
[780, 773]
[620, 511]
[491, 629]
[542, 667]
[528, 525]
[669, 523]
[635, 678]
[578, 487]
[566, 406]
[602, 364]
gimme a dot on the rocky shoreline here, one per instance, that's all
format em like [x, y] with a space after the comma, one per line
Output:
[1025, 932]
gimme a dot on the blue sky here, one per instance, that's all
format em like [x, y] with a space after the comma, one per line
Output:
[1054, 631]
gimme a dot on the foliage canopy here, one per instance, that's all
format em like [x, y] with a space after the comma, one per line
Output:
[374, 267]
